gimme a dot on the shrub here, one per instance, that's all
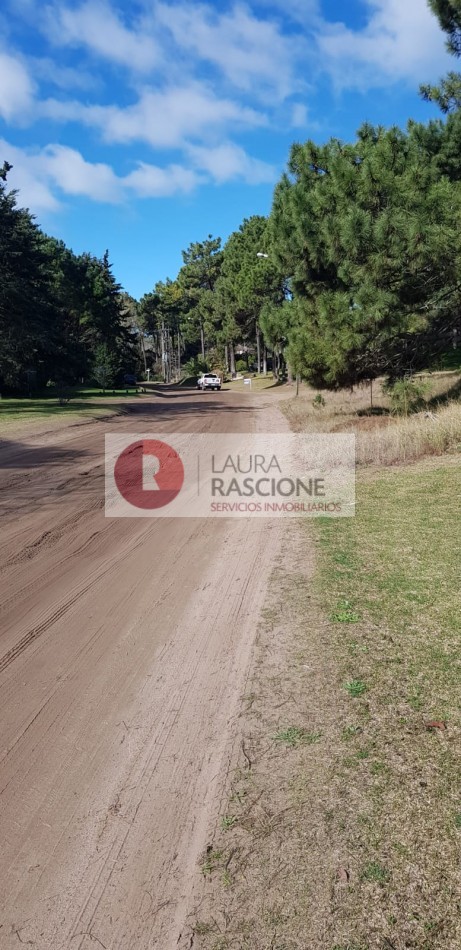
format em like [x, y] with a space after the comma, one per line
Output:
[406, 395]
[194, 367]
[318, 402]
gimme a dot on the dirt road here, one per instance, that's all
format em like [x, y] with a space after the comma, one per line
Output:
[124, 649]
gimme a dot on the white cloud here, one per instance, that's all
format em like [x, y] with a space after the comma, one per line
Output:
[228, 161]
[402, 40]
[67, 169]
[97, 27]
[252, 53]
[150, 181]
[34, 192]
[163, 119]
[17, 89]
[41, 175]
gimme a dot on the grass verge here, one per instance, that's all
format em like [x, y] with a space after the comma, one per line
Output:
[258, 383]
[397, 565]
[87, 404]
[343, 828]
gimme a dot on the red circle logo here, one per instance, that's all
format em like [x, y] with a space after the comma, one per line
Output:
[149, 474]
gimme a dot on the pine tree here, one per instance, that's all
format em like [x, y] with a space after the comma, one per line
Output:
[370, 229]
[247, 283]
[29, 334]
[197, 279]
[447, 94]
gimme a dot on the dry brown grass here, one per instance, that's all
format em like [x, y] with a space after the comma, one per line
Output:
[404, 440]
[383, 439]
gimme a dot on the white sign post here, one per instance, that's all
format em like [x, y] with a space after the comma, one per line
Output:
[247, 382]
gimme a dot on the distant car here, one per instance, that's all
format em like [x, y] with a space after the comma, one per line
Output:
[129, 380]
[208, 381]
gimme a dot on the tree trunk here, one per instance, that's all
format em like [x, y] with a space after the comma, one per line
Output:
[289, 375]
[258, 347]
[231, 358]
[163, 350]
[202, 341]
[274, 364]
[226, 357]
[143, 351]
[264, 360]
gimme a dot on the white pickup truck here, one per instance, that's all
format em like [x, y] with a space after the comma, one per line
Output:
[208, 381]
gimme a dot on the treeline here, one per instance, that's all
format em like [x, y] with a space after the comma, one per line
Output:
[62, 316]
[219, 306]
[355, 273]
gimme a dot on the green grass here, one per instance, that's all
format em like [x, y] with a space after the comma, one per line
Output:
[258, 383]
[212, 862]
[355, 688]
[294, 736]
[88, 402]
[378, 796]
[399, 559]
[344, 613]
[350, 732]
[375, 872]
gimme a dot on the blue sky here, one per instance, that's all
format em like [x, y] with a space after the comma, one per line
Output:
[141, 127]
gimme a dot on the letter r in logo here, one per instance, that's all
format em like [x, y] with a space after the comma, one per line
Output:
[150, 468]
[149, 474]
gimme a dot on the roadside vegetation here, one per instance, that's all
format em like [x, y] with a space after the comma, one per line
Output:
[258, 383]
[343, 826]
[385, 434]
[71, 405]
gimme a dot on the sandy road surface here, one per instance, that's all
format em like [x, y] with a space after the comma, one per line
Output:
[124, 650]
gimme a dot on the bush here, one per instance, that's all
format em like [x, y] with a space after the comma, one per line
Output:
[60, 390]
[105, 368]
[194, 367]
[241, 366]
[318, 402]
[216, 361]
[406, 395]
